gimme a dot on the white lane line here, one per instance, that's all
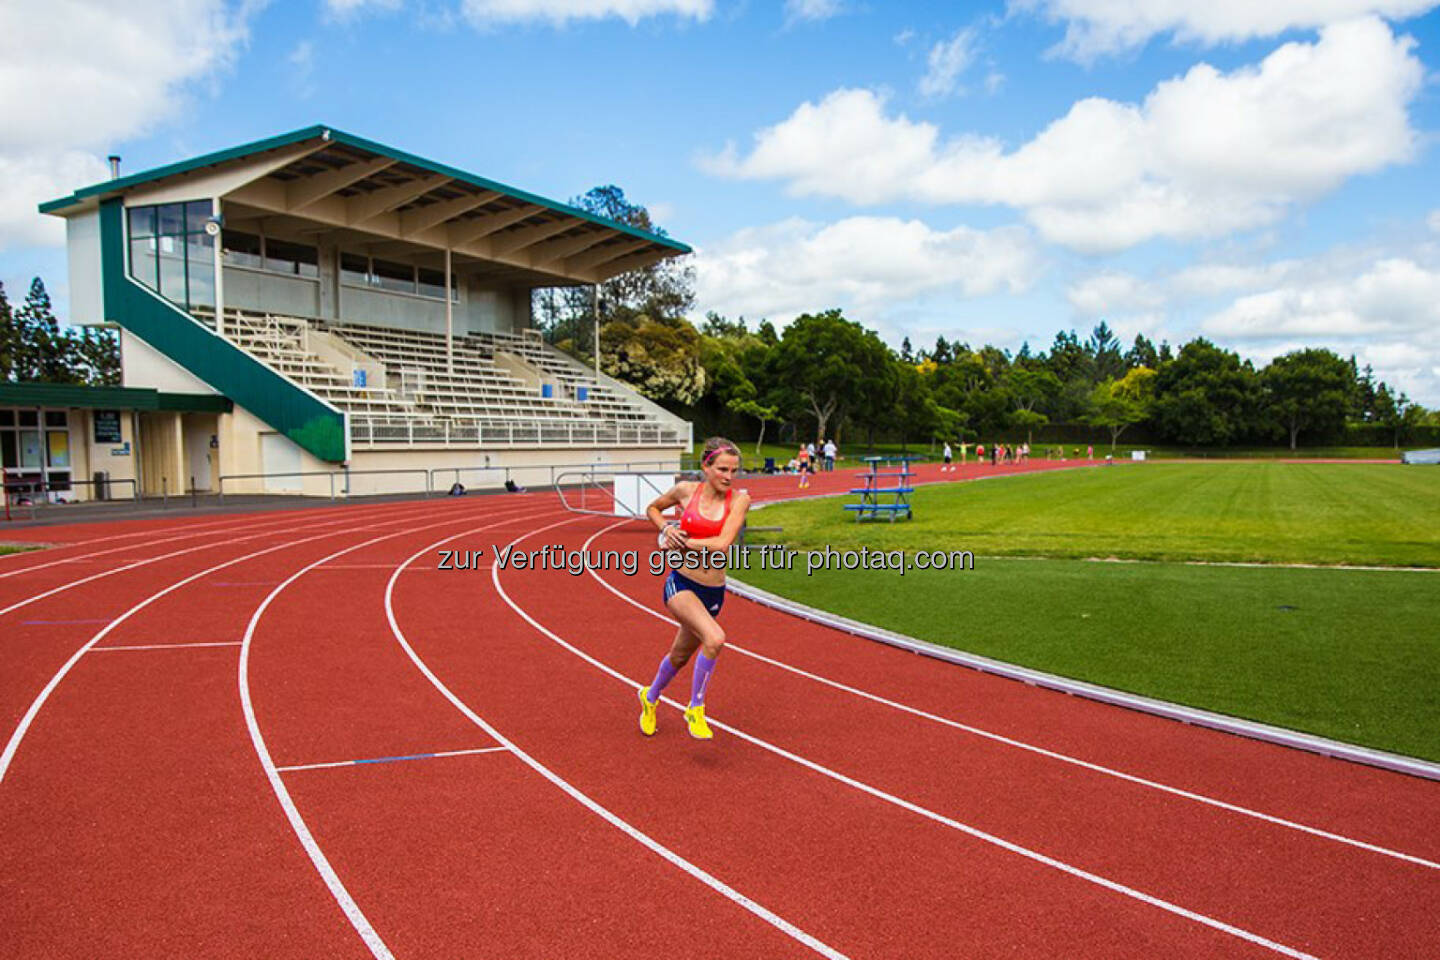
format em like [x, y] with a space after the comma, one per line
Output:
[965, 828]
[1030, 747]
[166, 646]
[374, 760]
[232, 524]
[713, 882]
[252, 533]
[18, 735]
[347, 903]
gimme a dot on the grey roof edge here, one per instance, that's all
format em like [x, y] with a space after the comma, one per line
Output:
[322, 131]
[1203, 718]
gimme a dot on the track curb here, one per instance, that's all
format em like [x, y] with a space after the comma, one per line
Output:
[1132, 701]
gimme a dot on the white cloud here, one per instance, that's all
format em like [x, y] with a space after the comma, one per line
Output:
[1386, 312]
[302, 60]
[1096, 27]
[812, 10]
[1433, 221]
[948, 61]
[865, 264]
[561, 12]
[342, 9]
[79, 77]
[1205, 154]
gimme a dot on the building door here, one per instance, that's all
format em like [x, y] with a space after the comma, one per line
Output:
[202, 458]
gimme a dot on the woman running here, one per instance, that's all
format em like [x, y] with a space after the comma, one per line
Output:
[713, 516]
[804, 457]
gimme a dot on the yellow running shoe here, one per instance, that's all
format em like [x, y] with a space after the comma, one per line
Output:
[647, 714]
[695, 720]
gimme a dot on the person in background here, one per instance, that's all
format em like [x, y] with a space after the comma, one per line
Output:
[946, 467]
[830, 451]
[804, 457]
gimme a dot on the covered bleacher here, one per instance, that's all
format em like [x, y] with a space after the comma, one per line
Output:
[386, 297]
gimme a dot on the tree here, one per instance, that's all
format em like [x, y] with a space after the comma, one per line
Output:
[1397, 413]
[45, 352]
[826, 365]
[663, 291]
[1142, 354]
[1205, 395]
[748, 407]
[1104, 350]
[659, 358]
[907, 352]
[1118, 405]
[1308, 390]
[9, 340]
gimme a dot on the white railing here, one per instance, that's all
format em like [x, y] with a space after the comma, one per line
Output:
[499, 432]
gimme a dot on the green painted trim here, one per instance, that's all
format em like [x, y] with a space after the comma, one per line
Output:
[308, 421]
[193, 402]
[340, 136]
[77, 396]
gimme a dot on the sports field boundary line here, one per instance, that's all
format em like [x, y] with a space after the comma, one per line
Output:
[1132, 701]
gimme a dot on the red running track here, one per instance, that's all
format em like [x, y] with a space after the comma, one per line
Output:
[182, 706]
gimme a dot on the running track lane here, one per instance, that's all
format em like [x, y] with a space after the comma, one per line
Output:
[508, 863]
[48, 625]
[1373, 805]
[1293, 887]
[855, 872]
[183, 852]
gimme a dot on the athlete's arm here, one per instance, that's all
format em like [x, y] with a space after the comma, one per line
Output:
[739, 505]
[673, 497]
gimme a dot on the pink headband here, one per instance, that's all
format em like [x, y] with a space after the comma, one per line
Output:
[705, 461]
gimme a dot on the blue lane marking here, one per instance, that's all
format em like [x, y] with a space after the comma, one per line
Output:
[46, 623]
[412, 756]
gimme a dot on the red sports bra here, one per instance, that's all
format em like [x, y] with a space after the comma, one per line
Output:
[696, 524]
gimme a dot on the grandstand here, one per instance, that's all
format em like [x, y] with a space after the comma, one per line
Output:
[360, 307]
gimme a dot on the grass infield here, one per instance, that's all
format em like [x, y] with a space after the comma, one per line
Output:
[1348, 654]
[1357, 514]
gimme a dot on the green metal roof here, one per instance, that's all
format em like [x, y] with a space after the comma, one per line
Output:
[76, 396]
[339, 136]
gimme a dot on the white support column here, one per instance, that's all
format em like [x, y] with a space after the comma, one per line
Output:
[219, 271]
[449, 318]
[595, 311]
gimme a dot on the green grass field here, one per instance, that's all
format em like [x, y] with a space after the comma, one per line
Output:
[12, 548]
[1365, 514]
[1348, 654]
[850, 452]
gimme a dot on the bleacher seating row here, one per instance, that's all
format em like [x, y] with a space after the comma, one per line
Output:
[467, 397]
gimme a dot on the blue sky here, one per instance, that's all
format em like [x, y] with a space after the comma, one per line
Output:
[1261, 174]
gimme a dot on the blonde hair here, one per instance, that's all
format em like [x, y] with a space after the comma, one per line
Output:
[714, 447]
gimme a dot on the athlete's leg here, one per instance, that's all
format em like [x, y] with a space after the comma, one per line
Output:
[691, 612]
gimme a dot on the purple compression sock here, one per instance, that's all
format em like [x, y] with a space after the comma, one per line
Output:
[703, 666]
[664, 675]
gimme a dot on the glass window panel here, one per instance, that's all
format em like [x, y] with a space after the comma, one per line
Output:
[29, 418]
[58, 447]
[353, 268]
[55, 418]
[59, 482]
[8, 449]
[241, 249]
[7, 418]
[172, 273]
[196, 213]
[142, 221]
[142, 261]
[395, 276]
[432, 283]
[171, 219]
[30, 449]
[200, 251]
[281, 256]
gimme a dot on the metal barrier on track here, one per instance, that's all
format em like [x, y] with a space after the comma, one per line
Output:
[613, 493]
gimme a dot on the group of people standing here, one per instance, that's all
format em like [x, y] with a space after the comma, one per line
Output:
[807, 462]
[999, 453]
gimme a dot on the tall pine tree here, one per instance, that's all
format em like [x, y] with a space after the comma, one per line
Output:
[9, 340]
